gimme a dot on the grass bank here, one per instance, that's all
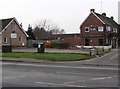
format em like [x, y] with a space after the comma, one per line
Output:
[48, 56]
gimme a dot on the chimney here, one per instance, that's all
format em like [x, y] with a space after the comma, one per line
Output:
[21, 24]
[112, 17]
[104, 14]
[92, 10]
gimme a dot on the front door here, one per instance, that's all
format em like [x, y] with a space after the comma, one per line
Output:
[100, 42]
[87, 42]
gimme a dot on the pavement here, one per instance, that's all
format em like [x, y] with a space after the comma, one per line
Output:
[106, 60]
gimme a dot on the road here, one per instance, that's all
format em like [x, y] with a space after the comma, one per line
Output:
[18, 74]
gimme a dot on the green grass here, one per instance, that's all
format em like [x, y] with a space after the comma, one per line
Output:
[48, 56]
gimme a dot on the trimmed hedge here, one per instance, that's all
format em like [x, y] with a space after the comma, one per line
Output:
[59, 45]
[6, 48]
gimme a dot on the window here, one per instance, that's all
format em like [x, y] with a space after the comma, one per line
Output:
[20, 38]
[114, 30]
[108, 28]
[100, 29]
[100, 42]
[93, 29]
[86, 29]
[5, 40]
[109, 42]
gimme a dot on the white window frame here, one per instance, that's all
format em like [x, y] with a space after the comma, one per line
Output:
[101, 29]
[4, 40]
[13, 35]
[92, 28]
[87, 28]
[108, 28]
[116, 30]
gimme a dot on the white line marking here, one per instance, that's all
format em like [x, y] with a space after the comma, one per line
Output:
[13, 77]
[59, 84]
[102, 78]
[80, 74]
[36, 65]
[92, 79]
[114, 56]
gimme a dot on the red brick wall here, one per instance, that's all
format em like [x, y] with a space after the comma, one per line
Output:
[91, 21]
[73, 41]
[94, 41]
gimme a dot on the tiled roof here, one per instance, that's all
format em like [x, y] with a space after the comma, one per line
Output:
[5, 22]
[108, 21]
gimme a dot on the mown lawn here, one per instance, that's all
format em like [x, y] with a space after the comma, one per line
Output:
[48, 56]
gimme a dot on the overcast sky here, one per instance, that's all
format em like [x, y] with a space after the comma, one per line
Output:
[66, 14]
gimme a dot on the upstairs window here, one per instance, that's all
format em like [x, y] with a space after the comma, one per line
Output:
[108, 28]
[93, 29]
[100, 29]
[87, 29]
[114, 30]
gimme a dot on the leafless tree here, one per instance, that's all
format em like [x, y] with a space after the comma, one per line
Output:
[45, 30]
[50, 27]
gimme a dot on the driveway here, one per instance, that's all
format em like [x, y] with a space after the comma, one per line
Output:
[108, 59]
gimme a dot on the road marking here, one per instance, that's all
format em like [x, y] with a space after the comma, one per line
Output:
[36, 65]
[59, 84]
[114, 56]
[102, 78]
[13, 77]
[80, 74]
[92, 79]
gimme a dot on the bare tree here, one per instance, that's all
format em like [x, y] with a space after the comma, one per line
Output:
[44, 24]
[62, 31]
[45, 30]
[48, 26]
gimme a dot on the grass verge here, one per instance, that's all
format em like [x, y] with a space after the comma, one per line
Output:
[48, 56]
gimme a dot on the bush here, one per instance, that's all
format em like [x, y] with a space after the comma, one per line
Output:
[6, 48]
[59, 45]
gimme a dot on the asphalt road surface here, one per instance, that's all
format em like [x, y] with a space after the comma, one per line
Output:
[16, 74]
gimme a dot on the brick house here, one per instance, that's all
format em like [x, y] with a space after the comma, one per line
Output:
[12, 33]
[99, 30]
